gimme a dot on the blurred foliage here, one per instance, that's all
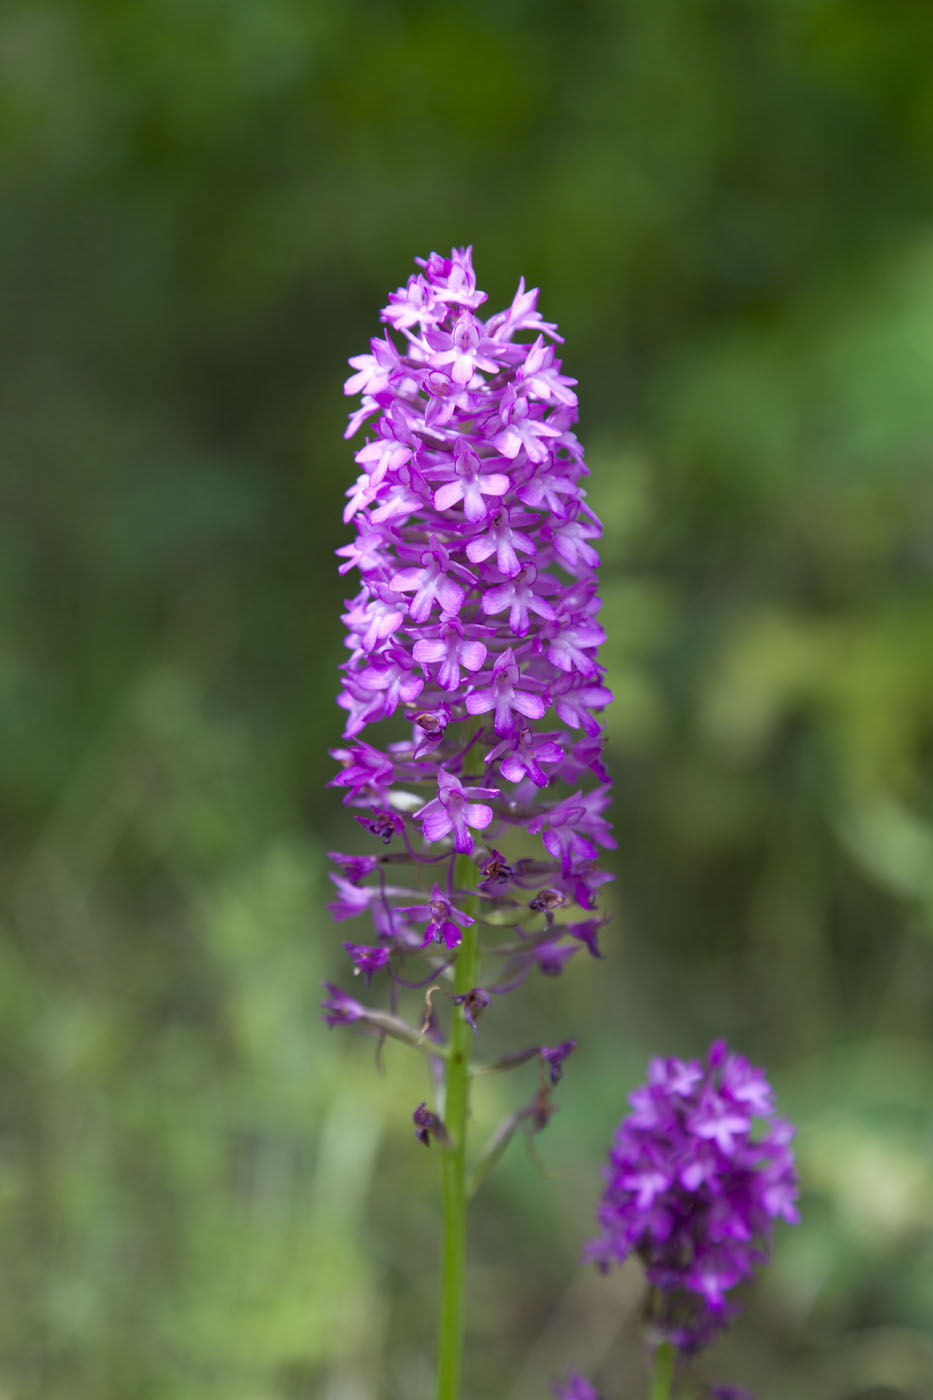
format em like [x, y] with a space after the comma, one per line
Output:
[728, 207]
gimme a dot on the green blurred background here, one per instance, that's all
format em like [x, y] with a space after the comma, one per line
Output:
[729, 209]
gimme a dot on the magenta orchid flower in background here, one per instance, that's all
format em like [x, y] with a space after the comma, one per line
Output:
[699, 1172]
[694, 1191]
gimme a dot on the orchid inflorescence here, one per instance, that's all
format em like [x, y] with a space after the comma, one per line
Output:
[694, 1191]
[475, 623]
[699, 1172]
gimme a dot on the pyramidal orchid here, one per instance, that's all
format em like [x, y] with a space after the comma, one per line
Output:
[694, 1190]
[699, 1172]
[472, 690]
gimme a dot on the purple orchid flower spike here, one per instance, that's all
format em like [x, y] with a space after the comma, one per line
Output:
[695, 1191]
[475, 614]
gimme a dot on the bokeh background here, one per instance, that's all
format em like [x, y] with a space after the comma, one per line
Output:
[729, 208]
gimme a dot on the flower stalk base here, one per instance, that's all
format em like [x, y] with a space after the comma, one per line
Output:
[453, 1166]
[663, 1376]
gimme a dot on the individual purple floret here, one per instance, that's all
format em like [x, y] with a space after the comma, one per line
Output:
[694, 1191]
[574, 1388]
[339, 1009]
[473, 635]
[443, 923]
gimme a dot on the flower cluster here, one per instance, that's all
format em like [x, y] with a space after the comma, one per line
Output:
[693, 1191]
[475, 622]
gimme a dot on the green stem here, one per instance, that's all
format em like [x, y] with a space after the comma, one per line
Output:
[453, 1165]
[663, 1380]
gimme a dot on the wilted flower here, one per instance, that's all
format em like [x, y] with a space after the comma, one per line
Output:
[427, 1122]
[554, 1057]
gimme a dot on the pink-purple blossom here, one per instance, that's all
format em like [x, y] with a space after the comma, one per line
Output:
[694, 1190]
[444, 922]
[472, 639]
[455, 811]
[367, 960]
[339, 1009]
